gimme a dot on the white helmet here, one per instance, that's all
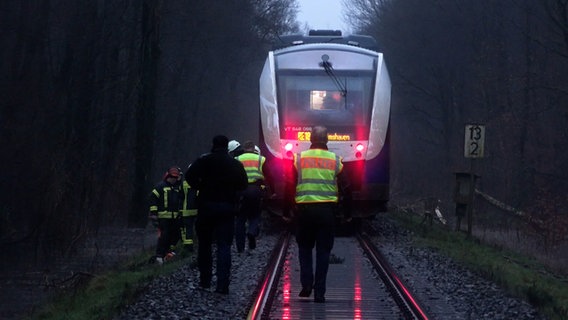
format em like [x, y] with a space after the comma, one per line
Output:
[233, 144]
[256, 150]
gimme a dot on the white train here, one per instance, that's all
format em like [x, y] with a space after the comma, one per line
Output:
[340, 82]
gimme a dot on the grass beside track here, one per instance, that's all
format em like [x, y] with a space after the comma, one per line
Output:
[105, 295]
[521, 276]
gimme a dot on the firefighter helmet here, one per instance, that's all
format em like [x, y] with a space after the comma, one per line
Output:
[174, 172]
[233, 145]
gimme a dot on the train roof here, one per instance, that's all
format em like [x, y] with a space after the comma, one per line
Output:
[325, 36]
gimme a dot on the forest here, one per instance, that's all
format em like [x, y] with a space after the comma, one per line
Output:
[101, 97]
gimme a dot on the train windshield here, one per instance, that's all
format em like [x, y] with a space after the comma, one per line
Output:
[310, 98]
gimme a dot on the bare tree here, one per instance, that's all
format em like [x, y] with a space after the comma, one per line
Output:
[453, 62]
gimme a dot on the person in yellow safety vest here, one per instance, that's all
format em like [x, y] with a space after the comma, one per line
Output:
[189, 213]
[251, 201]
[166, 200]
[319, 182]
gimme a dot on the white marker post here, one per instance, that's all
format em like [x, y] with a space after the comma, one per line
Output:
[474, 148]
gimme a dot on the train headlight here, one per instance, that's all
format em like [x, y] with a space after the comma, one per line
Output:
[288, 146]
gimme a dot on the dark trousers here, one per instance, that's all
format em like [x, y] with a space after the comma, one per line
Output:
[250, 211]
[315, 229]
[215, 221]
[169, 235]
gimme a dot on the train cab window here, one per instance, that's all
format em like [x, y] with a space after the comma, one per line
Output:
[326, 100]
[308, 99]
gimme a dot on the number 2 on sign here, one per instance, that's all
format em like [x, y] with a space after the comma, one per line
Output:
[474, 141]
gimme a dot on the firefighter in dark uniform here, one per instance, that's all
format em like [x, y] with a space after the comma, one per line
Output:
[189, 214]
[251, 200]
[218, 179]
[166, 201]
[319, 182]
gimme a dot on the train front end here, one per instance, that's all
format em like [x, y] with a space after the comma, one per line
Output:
[341, 86]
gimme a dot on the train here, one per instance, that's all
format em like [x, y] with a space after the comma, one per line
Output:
[338, 81]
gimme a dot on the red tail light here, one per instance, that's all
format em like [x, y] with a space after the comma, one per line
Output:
[288, 148]
[359, 148]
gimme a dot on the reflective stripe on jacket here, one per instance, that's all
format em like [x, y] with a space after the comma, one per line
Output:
[317, 169]
[253, 166]
[166, 200]
[189, 207]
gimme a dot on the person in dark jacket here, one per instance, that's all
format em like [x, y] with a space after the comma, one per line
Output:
[189, 213]
[218, 179]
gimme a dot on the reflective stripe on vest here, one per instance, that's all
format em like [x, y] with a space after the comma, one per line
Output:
[317, 169]
[253, 164]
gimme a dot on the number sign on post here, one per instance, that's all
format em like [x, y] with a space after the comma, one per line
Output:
[474, 141]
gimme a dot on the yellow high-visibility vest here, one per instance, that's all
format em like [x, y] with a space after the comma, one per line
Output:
[317, 169]
[253, 166]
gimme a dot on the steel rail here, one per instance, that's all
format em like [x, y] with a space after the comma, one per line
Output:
[266, 287]
[403, 297]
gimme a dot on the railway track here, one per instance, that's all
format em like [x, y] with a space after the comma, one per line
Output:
[361, 285]
[446, 291]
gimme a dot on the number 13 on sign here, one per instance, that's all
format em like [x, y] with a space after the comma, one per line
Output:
[474, 141]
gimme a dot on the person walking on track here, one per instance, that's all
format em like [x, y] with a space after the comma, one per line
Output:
[319, 181]
[251, 201]
[218, 179]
